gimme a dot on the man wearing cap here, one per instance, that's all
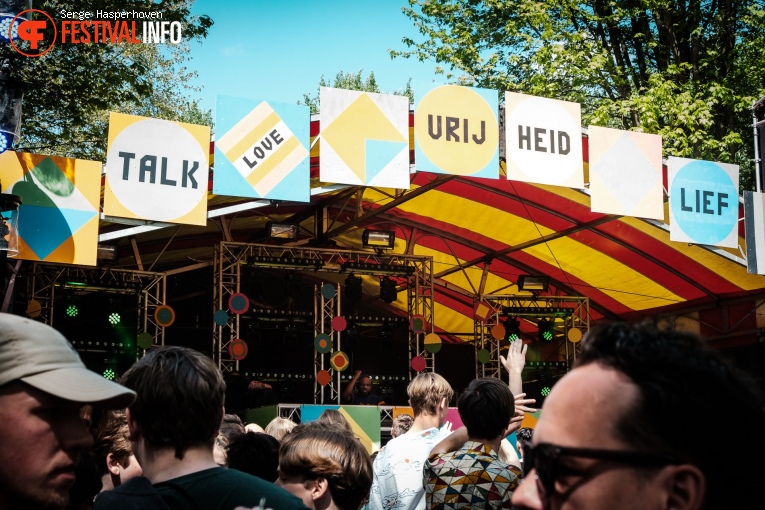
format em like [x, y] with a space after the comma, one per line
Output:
[43, 386]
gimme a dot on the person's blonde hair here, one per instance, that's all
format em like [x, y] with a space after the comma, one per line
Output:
[279, 427]
[426, 391]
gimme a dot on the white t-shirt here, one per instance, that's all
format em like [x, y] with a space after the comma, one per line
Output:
[397, 480]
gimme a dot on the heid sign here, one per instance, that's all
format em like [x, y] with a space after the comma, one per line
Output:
[156, 170]
[703, 202]
[456, 131]
[544, 140]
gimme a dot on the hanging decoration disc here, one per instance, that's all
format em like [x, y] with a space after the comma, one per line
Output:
[322, 343]
[220, 317]
[484, 356]
[34, 309]
[418, 364]
[164, 315]
[237, 348]
[328, 291]
[145, 340]
[339, 323]
[323, 377]
[238, 303]
[339, 361]
[417, 324]
[432, 343]
[574, 335]
[498, 332]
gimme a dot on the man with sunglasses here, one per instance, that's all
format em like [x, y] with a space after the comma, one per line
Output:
[629, 428]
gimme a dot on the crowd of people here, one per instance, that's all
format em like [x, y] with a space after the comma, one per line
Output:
[631, 426]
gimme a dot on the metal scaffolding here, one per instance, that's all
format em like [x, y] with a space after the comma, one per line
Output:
[325, 309]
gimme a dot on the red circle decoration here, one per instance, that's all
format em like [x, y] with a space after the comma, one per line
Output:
[164, 315]
[238, 303]
[323, 377]
[237, 348]
[418, 363]
[339, 323]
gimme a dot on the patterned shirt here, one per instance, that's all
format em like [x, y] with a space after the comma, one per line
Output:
[397, 480]
[471, 477]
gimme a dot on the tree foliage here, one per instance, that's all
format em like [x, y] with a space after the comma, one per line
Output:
[72, 88]
[352, 81]
[688, 70]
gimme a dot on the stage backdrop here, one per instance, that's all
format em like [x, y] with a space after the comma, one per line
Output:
[365, 421]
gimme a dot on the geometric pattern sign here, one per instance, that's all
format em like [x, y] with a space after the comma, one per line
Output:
[156, 170]
[364, 420]
[58, 217]
[364, 138]
[543, 140]
[456, 130]
[625, 173]
[263, 152]
[703, 202]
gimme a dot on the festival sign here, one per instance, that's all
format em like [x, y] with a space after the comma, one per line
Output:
[263, 152]
[754, 217]
[364, 138]
[456, 130]
[60, 198]
[544, 140]
[703, 202]
[625, 173]
[156, 170]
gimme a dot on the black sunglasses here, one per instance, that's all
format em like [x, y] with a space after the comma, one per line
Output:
[544, 458]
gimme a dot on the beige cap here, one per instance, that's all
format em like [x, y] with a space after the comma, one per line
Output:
[40, 356]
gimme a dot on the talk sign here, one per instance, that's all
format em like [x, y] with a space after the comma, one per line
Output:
[543, 140]
[456, 131]
[156, 170]
[703, 202]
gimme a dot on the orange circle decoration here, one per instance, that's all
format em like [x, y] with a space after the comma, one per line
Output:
[323, 377]
[322, 343]
[417, 324]
[339, 361]
[574, 335]
[237, 348]
[34, 309]
[498, 332]
[164, 315]
[339, 323]
[432, 343]
[238, 303]
[418, 364]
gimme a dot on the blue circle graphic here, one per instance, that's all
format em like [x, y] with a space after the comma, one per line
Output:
[704, 202]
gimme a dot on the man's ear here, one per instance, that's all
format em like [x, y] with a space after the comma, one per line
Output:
[112, 465]
[319, 488]
[685, 487]
[133, 430]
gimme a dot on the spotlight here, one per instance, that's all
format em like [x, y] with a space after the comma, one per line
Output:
[381, 239]
[109, 374]
[72, 311]
[533, 283]
[512, 329]
[546, 330]
[282, 231]
[114, 318]
[388, 292]
[353, 289]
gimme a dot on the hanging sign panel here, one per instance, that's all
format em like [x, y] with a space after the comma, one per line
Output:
[703, 202]
[754, 216]
[263, 152]
[456, 130]
[60, 199]
[626, 173]
[156, 170]
[364, 138]
[544, 140]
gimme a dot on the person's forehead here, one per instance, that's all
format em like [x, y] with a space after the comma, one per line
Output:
[366, 379]
[22, 394]
[584, 407]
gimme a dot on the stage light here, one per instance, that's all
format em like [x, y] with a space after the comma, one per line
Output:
[546, 330]
[72, 311]
[114, 318]
[282, 231]
[381, 239]
[533, 283]
[109, 374]
[545, 391]
[353, 288]
[388, 292]
[512, 329]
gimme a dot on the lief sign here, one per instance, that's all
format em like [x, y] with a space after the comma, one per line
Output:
[156, 170]
[703, 202]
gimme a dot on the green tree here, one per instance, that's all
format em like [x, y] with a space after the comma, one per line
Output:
[72, 88]
[352, 81]
[688, 70]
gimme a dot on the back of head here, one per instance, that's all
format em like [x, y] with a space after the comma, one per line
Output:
[231, 427]
[279, 427]
[110, 435]
[684, 387]
[255, 453]
[401, 424]
[426, 391]
[486, 407]
[335, 419]
[315, 450]
[179, 401]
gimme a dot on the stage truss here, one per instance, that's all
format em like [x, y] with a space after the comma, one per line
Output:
[46, 280]
[230, 257]
[570, 315]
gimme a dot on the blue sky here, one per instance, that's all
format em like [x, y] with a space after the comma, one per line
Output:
[277, 50]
